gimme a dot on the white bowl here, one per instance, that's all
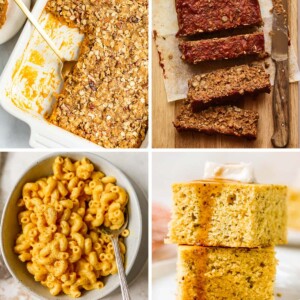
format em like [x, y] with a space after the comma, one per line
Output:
[10, 227]
[15, 19]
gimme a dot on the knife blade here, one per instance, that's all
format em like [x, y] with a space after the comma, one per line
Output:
[280, 47]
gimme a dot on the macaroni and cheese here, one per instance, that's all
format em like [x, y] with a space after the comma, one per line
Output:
[60, 240]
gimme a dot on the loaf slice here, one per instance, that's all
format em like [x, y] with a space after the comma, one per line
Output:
[227, 120]
[227, 85]
[195, 16]
[225, 273]
[230, 214]
[223, 48]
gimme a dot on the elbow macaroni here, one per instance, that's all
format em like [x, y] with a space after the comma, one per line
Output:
[59, 242]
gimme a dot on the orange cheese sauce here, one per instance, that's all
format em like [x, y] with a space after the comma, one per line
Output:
[35, 76]
[36, 58]
[17, 67]
[52, 23]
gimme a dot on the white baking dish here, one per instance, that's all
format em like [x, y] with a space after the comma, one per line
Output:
[33, 90]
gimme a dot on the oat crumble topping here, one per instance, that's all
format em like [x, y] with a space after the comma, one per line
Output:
[105, 98]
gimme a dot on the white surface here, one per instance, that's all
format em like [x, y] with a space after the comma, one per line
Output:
[134, 165]
[242, 172]
[169, 168]
[287, 279]
[294, 237]
[15, 19]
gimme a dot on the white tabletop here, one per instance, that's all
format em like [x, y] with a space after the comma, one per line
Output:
[134, 165]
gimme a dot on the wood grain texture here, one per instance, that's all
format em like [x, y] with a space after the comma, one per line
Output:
[164, 134]
[280, 139]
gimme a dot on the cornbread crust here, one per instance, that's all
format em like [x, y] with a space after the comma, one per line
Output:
[223, 48]
[225, 273]
[294, 209]
[227, 85]
[196, 16]
[105, 98]
[228, 120]
[3, 11]
[216, 213]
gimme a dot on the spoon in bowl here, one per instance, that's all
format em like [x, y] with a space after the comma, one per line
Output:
[114, 235]
[66, 65]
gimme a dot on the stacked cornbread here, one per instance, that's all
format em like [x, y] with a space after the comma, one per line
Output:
[226, 231]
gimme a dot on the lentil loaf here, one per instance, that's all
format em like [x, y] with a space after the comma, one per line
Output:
[202, 16]
[227, 120]
[223, 48]
[3, 11]
[104, 98]
[227, 85]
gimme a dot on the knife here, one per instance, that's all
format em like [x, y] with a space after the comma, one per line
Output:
[281, 97]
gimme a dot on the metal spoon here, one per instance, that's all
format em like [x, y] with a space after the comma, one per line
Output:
[66, 65]
[114, 235]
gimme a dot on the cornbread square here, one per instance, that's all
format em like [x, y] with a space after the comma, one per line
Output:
[294, 209]
[225, 213]
[225, 273]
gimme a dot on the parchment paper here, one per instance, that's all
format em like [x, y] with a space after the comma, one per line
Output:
[177, 73]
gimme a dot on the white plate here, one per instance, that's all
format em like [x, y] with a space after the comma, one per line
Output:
[287, 279]
[294, 237]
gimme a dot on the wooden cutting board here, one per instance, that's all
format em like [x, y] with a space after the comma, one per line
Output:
[164, 134]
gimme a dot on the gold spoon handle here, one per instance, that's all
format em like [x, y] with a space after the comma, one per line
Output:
[39, 28]
[121, 271]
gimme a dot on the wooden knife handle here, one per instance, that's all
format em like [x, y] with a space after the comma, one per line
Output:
[281, 103]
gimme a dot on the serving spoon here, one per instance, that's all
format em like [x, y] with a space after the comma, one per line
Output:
[114, 235]
[66, 65]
